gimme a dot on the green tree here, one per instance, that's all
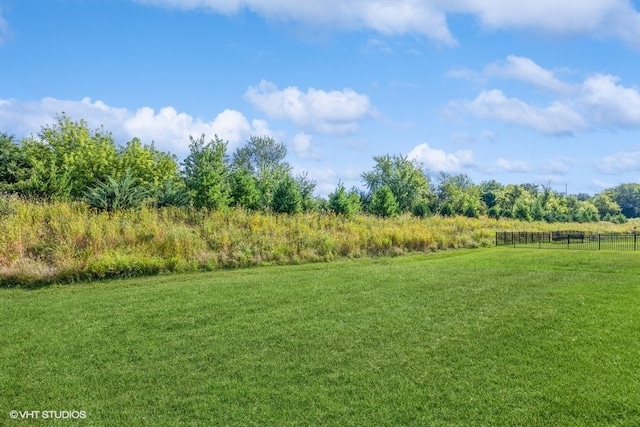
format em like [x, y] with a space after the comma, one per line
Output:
[307, 186]
[605, 205]
[287, 197]
[14, 165]
[556, 208]
[586, 212]
[344, 203]
[244, 191]
[147, 165]
[264, 158]
[522, 210]
[458, 195]
[524, 197]
[86, 156]
[627, 196]
[47, 179]
[489, 192]
[205, 171]
[384, 203]
[403, 177]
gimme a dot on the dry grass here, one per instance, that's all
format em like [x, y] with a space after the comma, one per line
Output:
[65, 242]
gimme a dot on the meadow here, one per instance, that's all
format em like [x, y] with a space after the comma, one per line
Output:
[496, 336]
[55, 242]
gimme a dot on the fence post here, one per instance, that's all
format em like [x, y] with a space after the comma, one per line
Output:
[635, 240]
[598, 241]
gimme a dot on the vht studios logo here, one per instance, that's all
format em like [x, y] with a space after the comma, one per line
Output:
[59, 415]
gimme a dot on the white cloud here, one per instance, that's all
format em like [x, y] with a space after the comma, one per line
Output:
[600, 101]
[555, 119]
[524, 69]
[513, 166]
[440, 161]
[301, 144]
[390, 18]
[557, 166]
[334, 112]
[598, 18]
[602, 185]
[611, 104]
[611, 18]
[169, 128]
[621, 162]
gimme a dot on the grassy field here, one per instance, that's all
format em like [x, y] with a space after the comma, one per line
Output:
[497, 336]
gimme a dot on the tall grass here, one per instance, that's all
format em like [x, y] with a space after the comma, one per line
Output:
[66, 242]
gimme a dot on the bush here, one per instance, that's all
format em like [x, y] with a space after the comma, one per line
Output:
[114, 195]
[421, 209]
[171, 193]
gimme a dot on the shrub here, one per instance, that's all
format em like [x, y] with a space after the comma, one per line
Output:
[171, 193]
[113, 195]
[421, 209]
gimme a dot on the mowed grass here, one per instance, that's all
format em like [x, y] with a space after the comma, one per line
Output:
[497, 336]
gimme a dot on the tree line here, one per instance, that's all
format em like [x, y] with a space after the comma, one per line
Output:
[69, 161]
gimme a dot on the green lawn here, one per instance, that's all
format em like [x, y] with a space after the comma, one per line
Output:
[497, 336]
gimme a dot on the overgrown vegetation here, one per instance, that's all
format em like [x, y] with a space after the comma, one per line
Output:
[68, 241]
[74, 205]
[498, 337]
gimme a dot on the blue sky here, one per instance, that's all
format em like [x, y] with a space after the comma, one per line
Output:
[546, 92]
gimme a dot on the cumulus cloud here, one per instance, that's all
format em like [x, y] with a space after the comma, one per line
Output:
[621, 162]
[168, 128]
[513, 166]
[524, 69]
[598, 18]
[600, 101]
[611, 103]
[390, 18]
[557, 166]
[303, 148]
[554, 119]
[440, 161]
[333, 112]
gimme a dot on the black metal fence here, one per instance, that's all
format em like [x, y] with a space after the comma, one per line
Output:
[569, 240]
